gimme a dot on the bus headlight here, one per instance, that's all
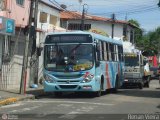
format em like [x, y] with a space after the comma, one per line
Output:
[87, 77]
[49, 79]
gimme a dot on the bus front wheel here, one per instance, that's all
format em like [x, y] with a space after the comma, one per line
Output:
[99, 93]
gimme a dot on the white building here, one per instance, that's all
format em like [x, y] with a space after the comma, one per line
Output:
[48, 19]
[123, 30]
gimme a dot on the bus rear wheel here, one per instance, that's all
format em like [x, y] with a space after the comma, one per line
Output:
[115, 89]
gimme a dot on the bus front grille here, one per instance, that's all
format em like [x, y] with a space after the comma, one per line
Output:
[70, 81]
[68, 86]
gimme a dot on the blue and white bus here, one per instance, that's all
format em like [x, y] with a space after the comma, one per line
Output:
[82, 62]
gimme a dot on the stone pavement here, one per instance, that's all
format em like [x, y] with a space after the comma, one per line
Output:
[8, 97]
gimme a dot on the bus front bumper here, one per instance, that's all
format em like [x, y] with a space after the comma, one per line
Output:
[50, 87]
[132, 82]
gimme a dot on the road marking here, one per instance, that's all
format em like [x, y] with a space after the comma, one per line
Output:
[72, 102]
[65, 105]
[75, 113]
[23, 110]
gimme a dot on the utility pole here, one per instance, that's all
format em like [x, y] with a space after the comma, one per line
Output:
[83, 16]
[113, 21]
[36, 56]
[25, 56]
[82, 21]
[34, 61]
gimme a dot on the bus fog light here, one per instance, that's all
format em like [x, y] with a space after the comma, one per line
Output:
[87, 87]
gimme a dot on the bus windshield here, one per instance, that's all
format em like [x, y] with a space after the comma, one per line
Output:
[131, 61]
[69, 57]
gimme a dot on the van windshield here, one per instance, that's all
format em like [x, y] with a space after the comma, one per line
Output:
[131, 61]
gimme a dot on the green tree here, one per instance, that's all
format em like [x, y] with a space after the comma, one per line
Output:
[148, 42]
[138, 32]
[151, 41]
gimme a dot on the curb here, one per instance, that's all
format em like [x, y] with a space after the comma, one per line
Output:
[11, 100]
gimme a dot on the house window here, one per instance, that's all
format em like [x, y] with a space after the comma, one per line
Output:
[20, 2]
[125, 32]
[78, 26]
[53, 20]
[43, 17]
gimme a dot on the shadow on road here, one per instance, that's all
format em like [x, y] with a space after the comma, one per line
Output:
[140, 93]
[153, 93]
[70, 95]
[67, 95]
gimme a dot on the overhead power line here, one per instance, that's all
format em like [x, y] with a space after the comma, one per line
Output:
[133, 11]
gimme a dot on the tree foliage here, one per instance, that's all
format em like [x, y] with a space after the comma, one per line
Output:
[151, 41]
[147, 42]
[138, 32]
[134, 22]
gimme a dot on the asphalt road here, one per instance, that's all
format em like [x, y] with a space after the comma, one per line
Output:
[126, 104]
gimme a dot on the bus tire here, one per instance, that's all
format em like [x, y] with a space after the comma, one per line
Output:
[99, 93]
[115, 89]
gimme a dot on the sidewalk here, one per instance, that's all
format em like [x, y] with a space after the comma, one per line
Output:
[8, 97]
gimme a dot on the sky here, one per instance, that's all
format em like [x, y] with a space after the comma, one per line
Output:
[146, 12]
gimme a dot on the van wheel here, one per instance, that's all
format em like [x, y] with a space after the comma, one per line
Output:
[140, 86]
[146, 85]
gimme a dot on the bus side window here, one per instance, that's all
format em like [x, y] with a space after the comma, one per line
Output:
[117, 58]
[102, 50]
[120, 53]
[98, 51]
[105, 51]
[112, 52]
[109, 51]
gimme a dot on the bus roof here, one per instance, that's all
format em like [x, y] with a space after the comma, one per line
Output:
[94, 35]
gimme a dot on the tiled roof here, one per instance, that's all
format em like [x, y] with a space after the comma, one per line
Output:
[76, 15]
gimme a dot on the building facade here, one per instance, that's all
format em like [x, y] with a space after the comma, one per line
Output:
[121, 30]
[48, 20]
[13, 45]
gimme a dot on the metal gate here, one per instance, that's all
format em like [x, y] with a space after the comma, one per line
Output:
[11, 62]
